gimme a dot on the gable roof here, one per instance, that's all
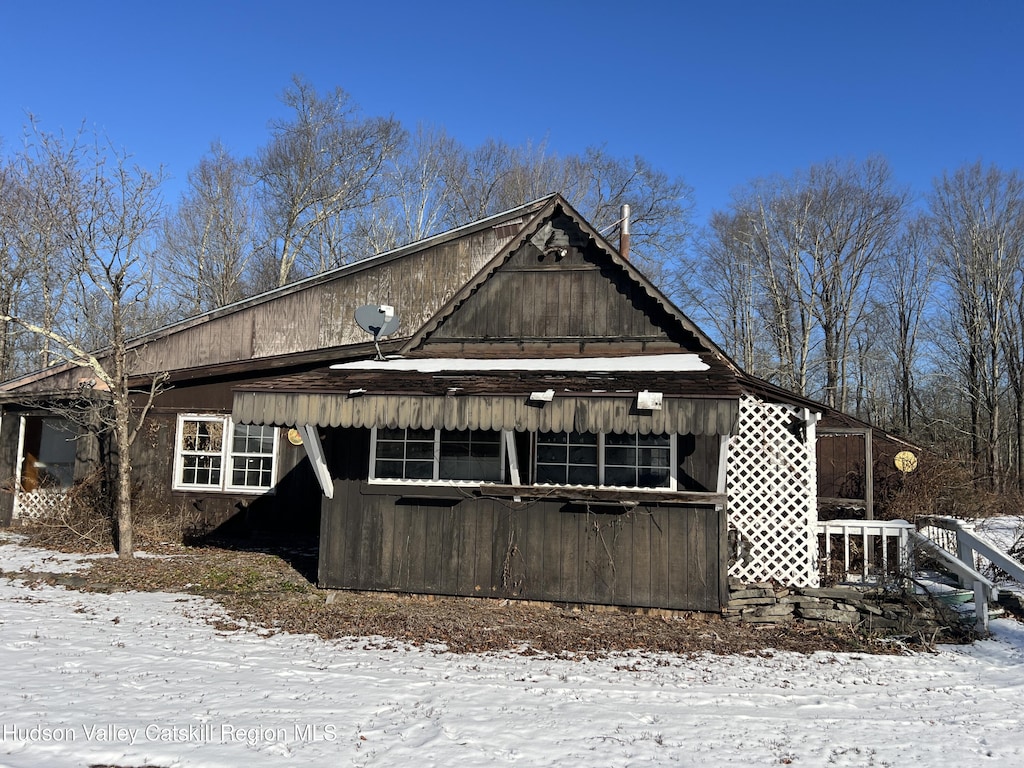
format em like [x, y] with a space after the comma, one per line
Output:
[311, 318]
[700, 389]
[542, 232]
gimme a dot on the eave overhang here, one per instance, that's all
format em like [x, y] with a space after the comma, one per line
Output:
[597, 413]
[700, 402]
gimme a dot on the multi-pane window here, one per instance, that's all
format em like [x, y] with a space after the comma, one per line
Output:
[567, 458]
[405, 454]
[206, 459]
[200, 452]
[625, 461]
[470, 454]
[638, 461]
[441, 455]
[252, 456]
[560, 458]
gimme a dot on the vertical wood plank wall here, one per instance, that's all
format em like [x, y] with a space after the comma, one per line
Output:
[536, 301]
[649, 556]
[10, 423]
[840, 465]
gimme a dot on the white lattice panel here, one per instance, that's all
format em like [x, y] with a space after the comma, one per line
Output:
[39, 505]
[772, 490]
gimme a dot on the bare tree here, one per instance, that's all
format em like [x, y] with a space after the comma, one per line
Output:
[771, 222]
[661, 210]
[209, 240]
[872, 391]
[978, 219]
[32, 282]
[856, 212]
[1013, 352]
[319, 165]
[416, 200]
[108, 211]
[813, 242]
[496, 176]
[728, 293]
[11, 269]
[905, 292]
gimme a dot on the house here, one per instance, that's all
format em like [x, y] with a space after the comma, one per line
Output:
[522, 415]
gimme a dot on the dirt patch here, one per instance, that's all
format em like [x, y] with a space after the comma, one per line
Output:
[271, 591]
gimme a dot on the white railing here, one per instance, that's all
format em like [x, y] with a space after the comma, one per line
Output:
[968, 546]
[958, 548]
[873, 550]
[984, 590]
[880, 550]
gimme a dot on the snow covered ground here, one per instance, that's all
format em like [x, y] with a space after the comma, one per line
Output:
[1003, 532]
[141, 679]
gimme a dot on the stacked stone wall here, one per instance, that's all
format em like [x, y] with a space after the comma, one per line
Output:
[887, 611]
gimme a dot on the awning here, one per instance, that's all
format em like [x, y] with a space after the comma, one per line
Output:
[598, 413]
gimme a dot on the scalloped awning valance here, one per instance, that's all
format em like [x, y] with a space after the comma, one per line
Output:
[608, 413]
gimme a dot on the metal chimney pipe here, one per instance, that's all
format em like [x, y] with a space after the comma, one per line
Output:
[624, 232]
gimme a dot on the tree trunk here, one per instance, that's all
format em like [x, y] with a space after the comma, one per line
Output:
[121, 396]
[1020, 441]
[123, 497]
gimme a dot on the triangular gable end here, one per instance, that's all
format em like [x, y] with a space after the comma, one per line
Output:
[558, 289]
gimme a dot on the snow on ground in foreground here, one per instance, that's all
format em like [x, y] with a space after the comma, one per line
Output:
[141, 679]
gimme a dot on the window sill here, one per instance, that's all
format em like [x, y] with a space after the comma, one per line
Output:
[603, 495]
[220, 494]
[413, 491]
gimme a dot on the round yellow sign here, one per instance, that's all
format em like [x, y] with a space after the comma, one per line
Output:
[294, 437]
[905, 461]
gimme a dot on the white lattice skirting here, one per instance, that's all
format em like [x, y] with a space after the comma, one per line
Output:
[40, 505]
[772, 491]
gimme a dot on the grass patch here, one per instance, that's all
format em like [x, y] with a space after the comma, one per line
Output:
[269, 591]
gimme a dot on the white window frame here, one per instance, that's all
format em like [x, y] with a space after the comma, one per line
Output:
[59, 430]
[601, 465]
[227, 455]
[538, 438]
[435, 479]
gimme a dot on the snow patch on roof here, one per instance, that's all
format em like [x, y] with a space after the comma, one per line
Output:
[677, 363]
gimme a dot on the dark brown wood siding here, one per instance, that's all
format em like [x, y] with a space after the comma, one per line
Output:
[549, 304]
[313, 314]
[319, 314]
[698, 463]
[385, 538]
[293, 505]
[840, 462]
[10, 424]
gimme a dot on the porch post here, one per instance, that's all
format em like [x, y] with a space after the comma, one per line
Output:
[869, 476]
[315, 451]
[19, 465]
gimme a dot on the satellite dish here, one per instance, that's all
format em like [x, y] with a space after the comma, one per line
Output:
[379, 320]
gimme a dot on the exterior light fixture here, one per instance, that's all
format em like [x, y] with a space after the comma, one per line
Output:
[648, 401]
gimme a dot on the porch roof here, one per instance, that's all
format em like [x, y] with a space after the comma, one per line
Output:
[694, 401]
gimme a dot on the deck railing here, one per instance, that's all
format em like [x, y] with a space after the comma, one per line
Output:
[959, 539]
[886, 550]
[872, 550]
[958, 550]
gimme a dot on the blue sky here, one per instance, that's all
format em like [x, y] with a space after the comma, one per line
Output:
[716, 92]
